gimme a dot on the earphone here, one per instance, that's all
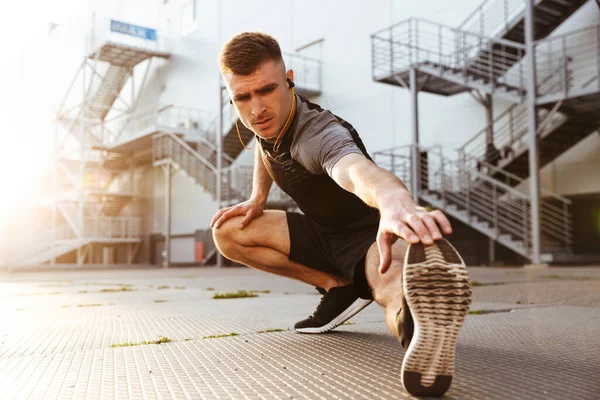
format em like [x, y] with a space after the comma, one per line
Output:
[291, 86]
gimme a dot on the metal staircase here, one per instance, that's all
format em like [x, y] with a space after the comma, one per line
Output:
[104, 93]
[573, 117]
[55, 243]
[486, 56]
[489, 206]
[236, 181]
[108, 91]
[505, 19]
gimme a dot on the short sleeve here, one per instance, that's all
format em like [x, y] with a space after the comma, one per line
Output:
[321, 152]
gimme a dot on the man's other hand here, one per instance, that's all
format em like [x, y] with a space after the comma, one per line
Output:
[412, 223]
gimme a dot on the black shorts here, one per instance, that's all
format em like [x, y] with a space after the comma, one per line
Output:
[336, 251]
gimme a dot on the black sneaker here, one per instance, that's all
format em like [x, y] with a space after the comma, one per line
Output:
[336, 307]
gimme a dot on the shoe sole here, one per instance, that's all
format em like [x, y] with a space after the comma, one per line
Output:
[344, 316]
[438, 291]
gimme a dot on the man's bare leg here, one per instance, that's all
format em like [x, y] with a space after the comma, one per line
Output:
[387, 288]
[434, 283]
[265, 245]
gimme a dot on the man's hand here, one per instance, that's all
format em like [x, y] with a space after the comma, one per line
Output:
[250, 209]
[411, 223]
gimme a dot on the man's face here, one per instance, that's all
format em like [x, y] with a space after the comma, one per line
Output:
[263, 98]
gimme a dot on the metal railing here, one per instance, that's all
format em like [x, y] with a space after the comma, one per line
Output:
[418, 42]
[105, 228]
[506, 209]
[573, 65]
[23, 247]
[396, 160]
[576, 58]
[554, 207]
[493, 17]
[167, 146]
[237, 183]
[104, 30]
[482, 198]
[510, 130]
[307, 71]
[199, 123]
[237, 186]
[52, 243]
[236, 179]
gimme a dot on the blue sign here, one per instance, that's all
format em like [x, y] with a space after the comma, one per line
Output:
[132, 30]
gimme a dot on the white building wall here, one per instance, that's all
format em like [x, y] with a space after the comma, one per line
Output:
[380, 113]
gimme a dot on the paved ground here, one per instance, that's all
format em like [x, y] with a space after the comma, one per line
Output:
[538, 338]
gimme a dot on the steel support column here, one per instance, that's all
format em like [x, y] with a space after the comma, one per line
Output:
[416, 167]
[56, 189]
[534, 178]
[82, 143]
[219, 144]
[167, 250]
[489, 113]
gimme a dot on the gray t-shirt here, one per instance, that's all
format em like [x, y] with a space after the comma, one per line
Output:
[320, 140]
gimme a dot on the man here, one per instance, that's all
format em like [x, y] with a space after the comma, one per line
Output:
[360, 237]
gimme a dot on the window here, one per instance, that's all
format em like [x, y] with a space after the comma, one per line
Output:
[188, 17]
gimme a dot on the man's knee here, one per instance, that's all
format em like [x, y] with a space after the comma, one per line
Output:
[227, 237]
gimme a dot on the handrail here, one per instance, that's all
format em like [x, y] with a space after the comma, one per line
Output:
[575, 54]
[516, 178]
[453, 29]
[419, 43]
[503, 207]
[492, 15]
[183, 144]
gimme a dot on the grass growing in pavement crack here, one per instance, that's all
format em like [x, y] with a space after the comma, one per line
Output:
[579, 278]
[160, 301]
[273, 330]
[164, 287]
[234, 295]
[89, 305]
[107, 284]
[477, 283]
[210, 288]
[349, 323]
[121, 289]
[179, 287]
[221, 335]
[476, 312]
[161, 339]
[260, 291]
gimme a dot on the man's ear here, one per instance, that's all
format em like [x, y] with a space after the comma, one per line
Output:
[290, 75]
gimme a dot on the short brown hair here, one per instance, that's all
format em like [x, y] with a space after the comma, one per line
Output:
[244, 53]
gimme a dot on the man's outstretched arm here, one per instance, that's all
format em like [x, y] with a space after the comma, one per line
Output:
[400, 215]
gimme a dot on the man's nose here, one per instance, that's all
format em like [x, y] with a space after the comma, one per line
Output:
[258, 107]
